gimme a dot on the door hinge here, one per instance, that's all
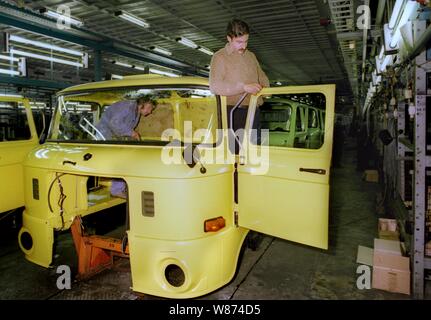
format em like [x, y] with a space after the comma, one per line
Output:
[236, 218]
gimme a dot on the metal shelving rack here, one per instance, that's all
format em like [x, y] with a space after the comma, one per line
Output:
[420, 262]
[421, 163]
[405, 177]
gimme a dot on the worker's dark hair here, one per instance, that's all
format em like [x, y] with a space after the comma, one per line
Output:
[146, 98]
[237, 28]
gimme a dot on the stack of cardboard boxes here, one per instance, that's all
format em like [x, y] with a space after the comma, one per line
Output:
[391, 270]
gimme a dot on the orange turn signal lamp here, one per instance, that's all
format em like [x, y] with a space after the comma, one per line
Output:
[213, 225]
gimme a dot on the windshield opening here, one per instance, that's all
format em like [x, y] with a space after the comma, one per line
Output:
[137, 115]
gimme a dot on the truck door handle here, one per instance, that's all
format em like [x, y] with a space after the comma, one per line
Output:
[317, 171]
[69, 162]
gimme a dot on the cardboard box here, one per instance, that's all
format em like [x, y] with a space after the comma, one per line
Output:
[428, 248]
[391, 273]
[390, 247]
[365, 256]
[388, 229]
[371, 175]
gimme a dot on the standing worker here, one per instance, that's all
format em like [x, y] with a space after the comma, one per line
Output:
[235, 71]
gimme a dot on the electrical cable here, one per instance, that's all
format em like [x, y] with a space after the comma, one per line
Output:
[50, 189]
[61, 201]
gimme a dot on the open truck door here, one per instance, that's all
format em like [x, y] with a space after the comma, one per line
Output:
[286, 194]
[17, 137]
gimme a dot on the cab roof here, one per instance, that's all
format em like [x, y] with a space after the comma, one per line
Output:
[137, 80]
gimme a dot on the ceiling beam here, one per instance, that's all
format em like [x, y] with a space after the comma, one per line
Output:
[25, 82]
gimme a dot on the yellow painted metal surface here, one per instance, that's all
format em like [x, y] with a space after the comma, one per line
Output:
[285, 201]
[208, 263]
[12, 154]
[183, 199]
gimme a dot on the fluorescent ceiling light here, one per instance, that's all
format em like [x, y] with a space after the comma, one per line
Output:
[382, 51]
[9, 58]
[161, 50]
[206, 51]
[395, 13]
[164, 73]
[375, 78]
[47, 58]
[83, 106]
[11, 72]
[387, 61]
[128, 65]
[22, 66]
[381, 64]
[18, 39]
[38, 105]
[123, 64]
[116, 76]
[131, 18]
[407, 35]
[187, 42]
[202, 92]
[392, 30]
[60, 17]
[11, 95]
[407, 12]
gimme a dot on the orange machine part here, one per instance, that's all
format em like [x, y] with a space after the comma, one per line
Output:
[95, 253]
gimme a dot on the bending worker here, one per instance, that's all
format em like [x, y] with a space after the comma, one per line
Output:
[121, 118]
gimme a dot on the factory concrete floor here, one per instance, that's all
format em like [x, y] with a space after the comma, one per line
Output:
[277, 270]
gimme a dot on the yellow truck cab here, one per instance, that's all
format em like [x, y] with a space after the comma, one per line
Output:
[191, 202]
[293, 123]
[17, 137]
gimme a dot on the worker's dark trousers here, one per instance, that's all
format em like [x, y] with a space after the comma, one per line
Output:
[239, 119]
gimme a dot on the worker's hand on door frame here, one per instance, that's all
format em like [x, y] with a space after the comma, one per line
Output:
[252, 88]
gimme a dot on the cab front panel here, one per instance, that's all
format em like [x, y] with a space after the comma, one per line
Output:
[168, 206]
